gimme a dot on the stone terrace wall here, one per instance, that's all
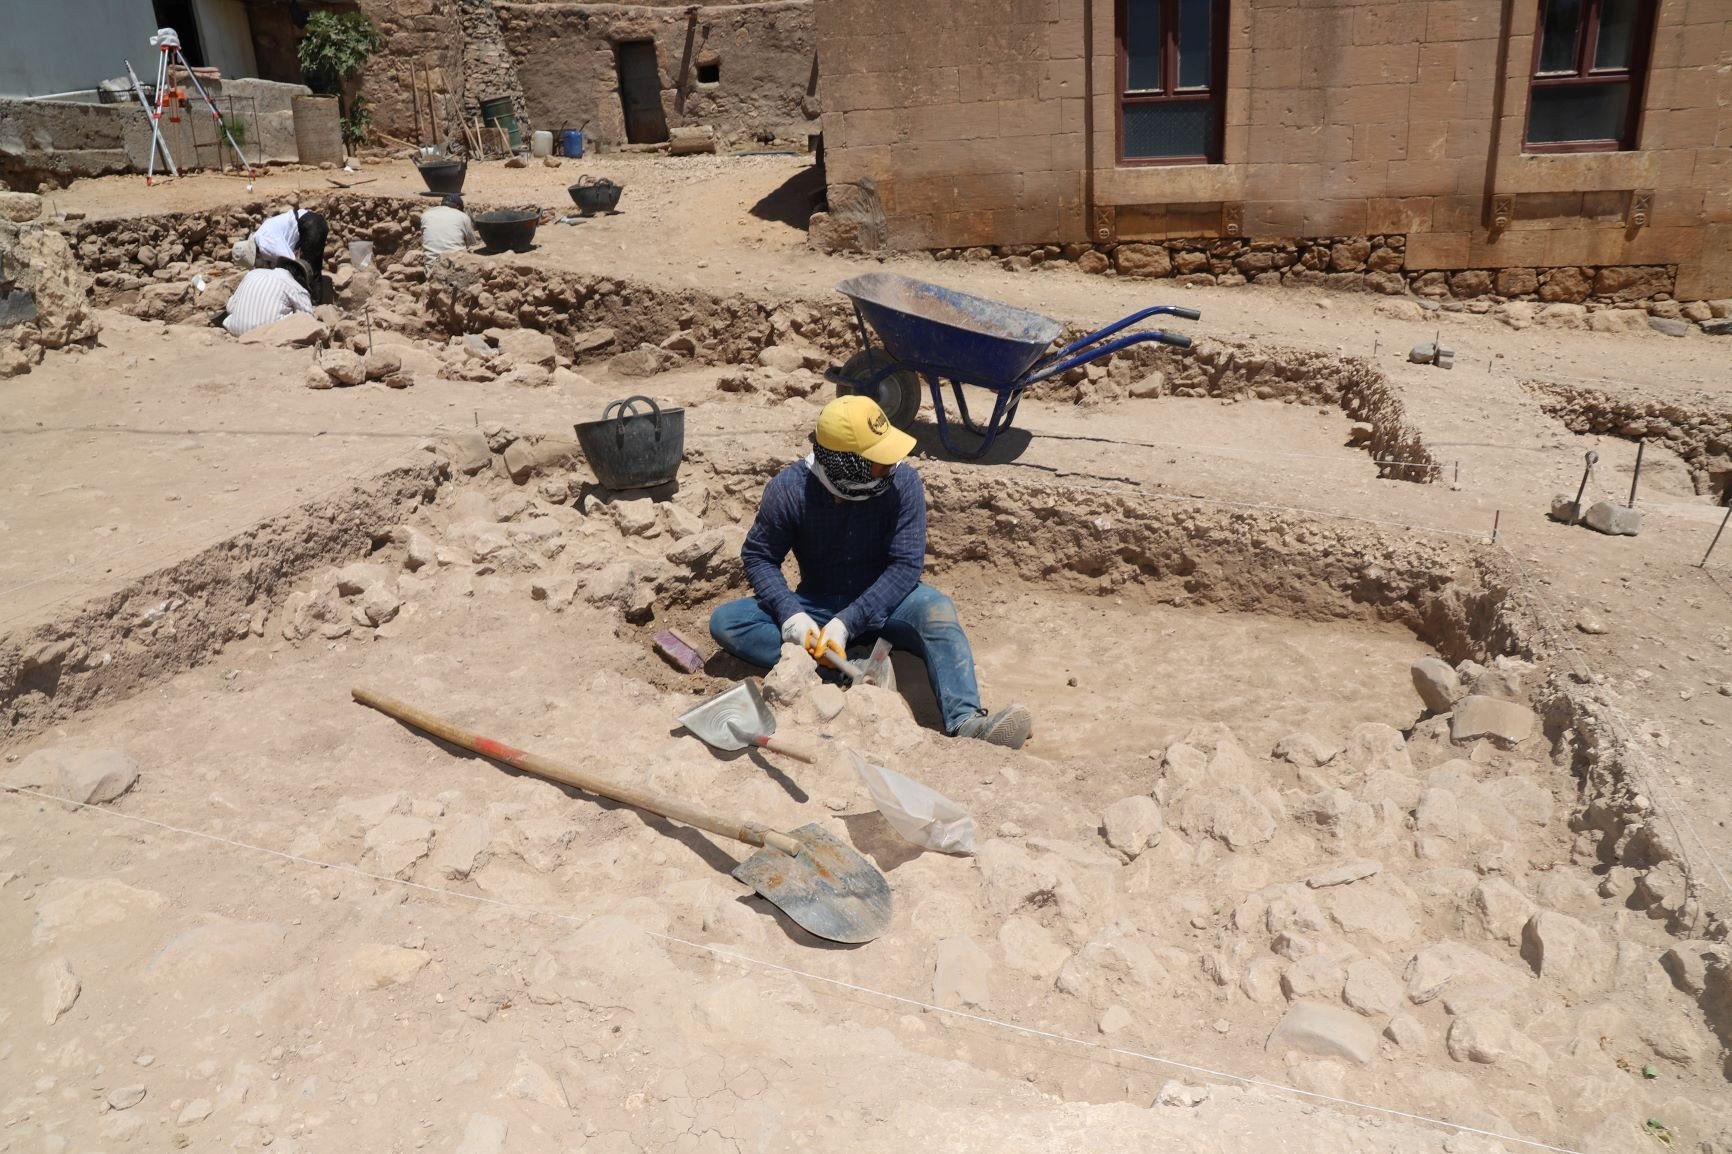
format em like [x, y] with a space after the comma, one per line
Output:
[982, 124]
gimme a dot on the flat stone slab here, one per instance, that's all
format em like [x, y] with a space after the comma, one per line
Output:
[1477, 716]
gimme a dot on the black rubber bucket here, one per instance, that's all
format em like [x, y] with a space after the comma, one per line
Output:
[629, 449]
[597, 196]
[444, 176]
[508, 228]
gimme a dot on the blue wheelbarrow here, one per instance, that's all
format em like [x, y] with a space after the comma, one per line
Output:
[939, 334]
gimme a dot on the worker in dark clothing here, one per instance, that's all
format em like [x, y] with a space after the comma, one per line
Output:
[854, 515]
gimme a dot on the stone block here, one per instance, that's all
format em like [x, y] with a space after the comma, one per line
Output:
[1324, 1030]
[1479, 716]
[1614, 520]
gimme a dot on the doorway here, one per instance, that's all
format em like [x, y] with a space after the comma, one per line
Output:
[179, 15]
[640, 92]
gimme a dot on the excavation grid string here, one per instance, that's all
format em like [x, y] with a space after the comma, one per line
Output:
[749, 962]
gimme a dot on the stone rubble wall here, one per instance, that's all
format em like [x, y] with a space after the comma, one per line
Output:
[1375, 264]
[1699, 430]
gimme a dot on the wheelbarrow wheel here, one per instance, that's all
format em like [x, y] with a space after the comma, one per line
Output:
[897, 393]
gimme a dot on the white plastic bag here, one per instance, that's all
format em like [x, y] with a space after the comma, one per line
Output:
[925, 818]
[878, 669]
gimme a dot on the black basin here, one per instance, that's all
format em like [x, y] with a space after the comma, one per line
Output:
[444, 176]
[599, 196]
[512, 228]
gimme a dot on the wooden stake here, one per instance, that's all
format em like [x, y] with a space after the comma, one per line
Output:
[415, 90]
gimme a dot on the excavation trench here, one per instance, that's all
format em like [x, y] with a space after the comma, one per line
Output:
[146, 267]
[1377, 868]
[1697, 428]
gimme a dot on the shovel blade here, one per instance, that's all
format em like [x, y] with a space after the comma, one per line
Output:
[829, 890]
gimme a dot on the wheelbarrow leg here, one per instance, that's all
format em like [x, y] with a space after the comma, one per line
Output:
[987, 435]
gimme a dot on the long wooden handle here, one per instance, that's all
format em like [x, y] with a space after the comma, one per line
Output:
[687, 813]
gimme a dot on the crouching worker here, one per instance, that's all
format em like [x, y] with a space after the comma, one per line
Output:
[268, 295]
[854, 515]
[447, 228]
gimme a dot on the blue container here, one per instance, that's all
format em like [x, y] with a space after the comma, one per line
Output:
[571, 141]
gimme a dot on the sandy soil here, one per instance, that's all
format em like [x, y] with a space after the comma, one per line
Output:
[314, 1007]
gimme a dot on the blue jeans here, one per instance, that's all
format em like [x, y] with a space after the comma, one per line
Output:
[924, 624]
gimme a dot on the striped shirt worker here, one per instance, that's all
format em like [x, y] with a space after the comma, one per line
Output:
[264, 297]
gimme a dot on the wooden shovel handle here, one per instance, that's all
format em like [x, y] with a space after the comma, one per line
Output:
[687, 813]
[796, 748]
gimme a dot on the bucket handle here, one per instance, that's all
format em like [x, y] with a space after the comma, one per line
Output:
[618, 411]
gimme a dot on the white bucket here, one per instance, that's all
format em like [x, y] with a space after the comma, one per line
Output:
[541, 143]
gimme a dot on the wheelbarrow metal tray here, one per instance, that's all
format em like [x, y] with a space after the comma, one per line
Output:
[954, 334]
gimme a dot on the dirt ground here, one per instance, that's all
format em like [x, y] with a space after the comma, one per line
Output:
[307, 927]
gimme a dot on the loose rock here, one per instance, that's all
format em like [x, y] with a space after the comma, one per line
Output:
[60, 989]
[126, 1097]
[1327, 1031]
[959, 973]
[1563, 949]
[1132, 824]
[1439, 686]
[1479, 716]
[85, 776]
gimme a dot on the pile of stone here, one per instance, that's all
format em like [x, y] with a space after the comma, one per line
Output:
[43, 293]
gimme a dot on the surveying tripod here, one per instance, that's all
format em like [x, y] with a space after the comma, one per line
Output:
[167, 43]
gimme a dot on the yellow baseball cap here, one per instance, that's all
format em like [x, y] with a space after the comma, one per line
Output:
[855, 424]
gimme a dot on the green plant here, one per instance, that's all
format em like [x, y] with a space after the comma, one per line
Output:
[358, 123]
[237, 128]
[334, 48]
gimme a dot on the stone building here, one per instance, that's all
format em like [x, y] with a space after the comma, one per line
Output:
[624, 73]
[1558, 149]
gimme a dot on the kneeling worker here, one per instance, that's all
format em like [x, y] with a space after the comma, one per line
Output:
[268, 295]
[854, 514]
[447, 228]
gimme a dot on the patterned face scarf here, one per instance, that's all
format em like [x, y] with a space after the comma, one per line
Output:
[848, 475]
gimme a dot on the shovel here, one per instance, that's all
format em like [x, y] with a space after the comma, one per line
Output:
[738, 717]
[828, 889]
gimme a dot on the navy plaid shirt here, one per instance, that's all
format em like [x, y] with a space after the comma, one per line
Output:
[866, 554]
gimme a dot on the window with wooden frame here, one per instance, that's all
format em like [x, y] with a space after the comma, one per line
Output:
[1590, 66]
[1172, 80]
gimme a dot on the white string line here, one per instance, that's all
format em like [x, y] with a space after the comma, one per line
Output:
[760, 963]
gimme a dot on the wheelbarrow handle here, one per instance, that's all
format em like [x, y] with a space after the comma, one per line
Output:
[684, 812]
[1099, 351]
[1120, 326]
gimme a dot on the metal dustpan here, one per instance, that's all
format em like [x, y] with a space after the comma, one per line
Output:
[740, 717]
[827, 888]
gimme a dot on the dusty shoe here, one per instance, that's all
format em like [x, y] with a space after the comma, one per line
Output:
[1008, 727]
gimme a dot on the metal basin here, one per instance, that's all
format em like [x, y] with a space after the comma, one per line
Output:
[597, 196]
[444, 176]
[630, 449]
[508, 228]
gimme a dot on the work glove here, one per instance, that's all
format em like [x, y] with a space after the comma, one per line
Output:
[800, 630]
[833, 641]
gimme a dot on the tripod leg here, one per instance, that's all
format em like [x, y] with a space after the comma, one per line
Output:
[161, 103]
[222, 129]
